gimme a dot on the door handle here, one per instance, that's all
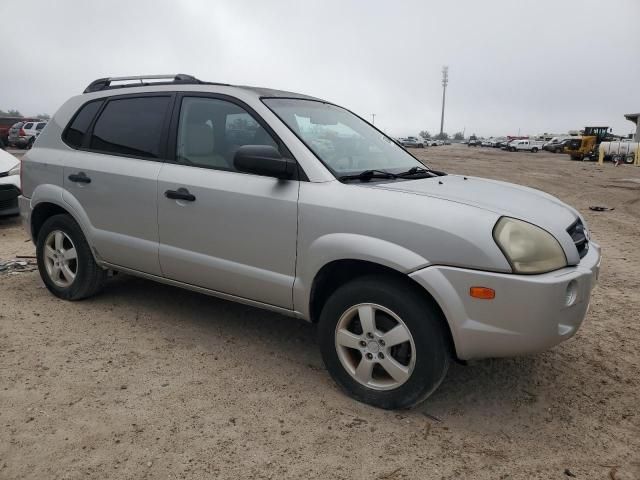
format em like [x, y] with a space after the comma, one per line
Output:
[180, 194]
[79, 178]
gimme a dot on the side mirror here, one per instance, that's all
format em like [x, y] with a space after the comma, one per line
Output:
[263, 160]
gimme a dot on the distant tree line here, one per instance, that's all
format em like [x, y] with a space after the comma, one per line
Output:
[16, 113]
[441, 136]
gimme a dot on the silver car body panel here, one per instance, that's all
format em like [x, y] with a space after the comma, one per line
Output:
[238, 237]
[263, 241]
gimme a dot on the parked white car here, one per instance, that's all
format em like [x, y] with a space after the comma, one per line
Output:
[526, 145]
[9, 183]
[24, 134]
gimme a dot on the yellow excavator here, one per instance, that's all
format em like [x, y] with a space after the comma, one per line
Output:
[586, 147]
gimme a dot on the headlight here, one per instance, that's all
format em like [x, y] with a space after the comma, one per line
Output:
[15, 170]
[529, 249]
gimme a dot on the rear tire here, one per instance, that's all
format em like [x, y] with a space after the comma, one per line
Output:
[629, 159]
[534, 150]
[359, 358]
[65, 261]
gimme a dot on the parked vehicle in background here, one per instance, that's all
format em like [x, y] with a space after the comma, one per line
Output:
[412, 142]
[621, 151]
[473, 141]
[557, 146]
[9, 184]
[24, 134]
[7, 122]
[526, 145]
[402, 267]
[586, 147]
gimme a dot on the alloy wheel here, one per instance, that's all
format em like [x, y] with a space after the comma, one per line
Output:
[375, 346]
[60, 258]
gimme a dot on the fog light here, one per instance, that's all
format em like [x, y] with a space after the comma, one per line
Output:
[571, 294]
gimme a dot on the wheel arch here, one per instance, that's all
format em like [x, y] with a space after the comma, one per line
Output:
[338, 272]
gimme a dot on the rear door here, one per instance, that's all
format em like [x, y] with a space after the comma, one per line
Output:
[113, 175]
[237, 235]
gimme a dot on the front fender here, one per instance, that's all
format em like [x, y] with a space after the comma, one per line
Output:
[348, 246]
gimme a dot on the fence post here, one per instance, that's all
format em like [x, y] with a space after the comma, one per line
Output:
[638, 154]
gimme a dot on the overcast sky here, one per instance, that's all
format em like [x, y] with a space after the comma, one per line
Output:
[538, 66]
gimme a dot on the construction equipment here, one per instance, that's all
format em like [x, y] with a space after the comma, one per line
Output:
[586, 146]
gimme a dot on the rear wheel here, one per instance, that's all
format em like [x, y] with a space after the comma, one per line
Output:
[65, 261]
[629, 159]
[30, 143]
[534, 149]
[383, 343]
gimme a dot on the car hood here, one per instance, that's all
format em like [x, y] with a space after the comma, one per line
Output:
[7, 161]
[502, 198]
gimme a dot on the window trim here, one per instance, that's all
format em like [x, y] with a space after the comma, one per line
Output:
[86, 139]
[73, 119]
[172, 140]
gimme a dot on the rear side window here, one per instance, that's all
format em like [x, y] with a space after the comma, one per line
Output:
[27, 126]
[40, 126]
[75, 132]
[131, 126]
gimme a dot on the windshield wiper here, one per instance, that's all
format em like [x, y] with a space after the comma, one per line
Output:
[420, 171]
[367, 175]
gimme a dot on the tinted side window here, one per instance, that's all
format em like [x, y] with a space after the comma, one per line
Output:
[210, 131]
[131, 126]
[40, 126]
[75, 132]
[27, 126]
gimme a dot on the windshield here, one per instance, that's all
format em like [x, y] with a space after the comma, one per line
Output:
[346, 144]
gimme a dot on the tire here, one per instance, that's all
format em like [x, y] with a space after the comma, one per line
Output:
[424, 356]
[30, 144]
[534, 150]
[87, 279]
[629, 159]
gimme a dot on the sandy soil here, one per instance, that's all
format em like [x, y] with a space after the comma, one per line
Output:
[149, 381]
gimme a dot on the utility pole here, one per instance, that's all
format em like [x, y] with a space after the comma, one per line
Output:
[445, 81]
[373, 118]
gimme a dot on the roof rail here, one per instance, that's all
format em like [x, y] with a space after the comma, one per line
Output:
[105, 83]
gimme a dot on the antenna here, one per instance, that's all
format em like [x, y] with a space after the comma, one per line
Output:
[445, 81]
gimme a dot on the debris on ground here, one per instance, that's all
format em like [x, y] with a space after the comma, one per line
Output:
[597, 208]
[18, 265]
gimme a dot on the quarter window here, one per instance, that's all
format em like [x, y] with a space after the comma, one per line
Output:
[74, 134]
[131, 126]
[40, 126]
[211, 130]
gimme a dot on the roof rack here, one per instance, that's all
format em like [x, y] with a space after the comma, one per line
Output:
[105, 83]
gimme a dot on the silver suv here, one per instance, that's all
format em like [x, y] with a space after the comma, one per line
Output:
[293, 204]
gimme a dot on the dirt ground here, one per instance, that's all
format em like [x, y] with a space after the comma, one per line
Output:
[150, 381]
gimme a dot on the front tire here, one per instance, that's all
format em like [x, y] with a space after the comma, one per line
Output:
[534, 150]
[383, 342]
[65, 261]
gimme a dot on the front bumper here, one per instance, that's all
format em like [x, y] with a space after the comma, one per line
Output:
[9, 199]
[528, 314]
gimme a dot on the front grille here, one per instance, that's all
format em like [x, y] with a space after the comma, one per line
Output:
[579, 237]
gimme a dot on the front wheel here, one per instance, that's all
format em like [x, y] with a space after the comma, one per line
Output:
[534, 150]
[65, 261]
[383, 342]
